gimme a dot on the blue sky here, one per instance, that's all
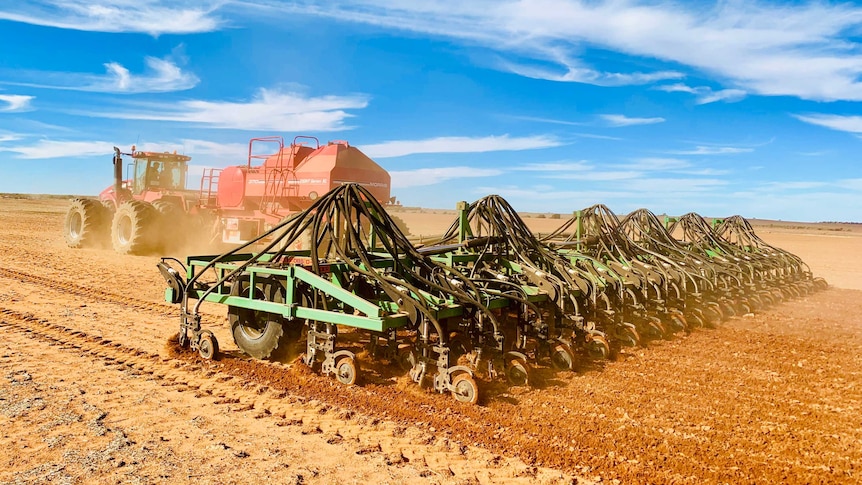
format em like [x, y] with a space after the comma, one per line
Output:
[730, 107]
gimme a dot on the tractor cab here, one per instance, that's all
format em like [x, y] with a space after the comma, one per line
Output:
[159, 172]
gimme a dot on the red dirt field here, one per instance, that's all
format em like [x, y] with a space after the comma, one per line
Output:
[93, 391]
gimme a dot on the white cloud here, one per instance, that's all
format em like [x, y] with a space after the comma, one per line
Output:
[617, 120]
[563, 166]
[164, 75]
[459, 144]
[161, 75]
[5, 137]
[15, 102]
[268, 110]
[549, 120]
[577, 73]
[803, 185]
[154, 17]
[852, 124]
[597, 137]
[431, 176]
[807, 50]
[44, 149]
[204, 152]
[852, 184]
[712, 150]
[705, 94]
[597, 176]
[657, 163]
[207, 152]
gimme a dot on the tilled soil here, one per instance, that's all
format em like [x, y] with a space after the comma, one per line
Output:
[92, 389]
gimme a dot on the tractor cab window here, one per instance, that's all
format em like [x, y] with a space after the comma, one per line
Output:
[158, 175]
[140, 182]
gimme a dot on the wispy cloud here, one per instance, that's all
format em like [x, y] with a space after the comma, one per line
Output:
[154, 17]
[851, 124]
[45, 149]
[596, 176]
[575, 72]
[597, 137]
[7, 137]
[704, 94]
[209, 153]
[430, 176]
[657, 163]
[617, 120]
[797, 185]
[268, 110]
[14, 102]
[712, 150]
[798, 49]
[852, 184]
[549, 120]
[161, 75]
[562, 166]
[459, 144]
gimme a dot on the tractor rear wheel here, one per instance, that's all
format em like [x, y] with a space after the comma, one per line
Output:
[172, 224]
[84, 225]
[133, 229]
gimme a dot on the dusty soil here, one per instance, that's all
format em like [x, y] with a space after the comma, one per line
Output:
[93, 391]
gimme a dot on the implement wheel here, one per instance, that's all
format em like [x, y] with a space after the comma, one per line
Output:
[256, 333]
[465, 388]
[677, 323]
[84, 225]
[208, 346]
[406, 358]
[517, 372]
[598, 347]
[628, 337]
[562, 357]
[133, 228]
[346, 370]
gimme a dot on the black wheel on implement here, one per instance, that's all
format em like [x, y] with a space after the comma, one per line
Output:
[258, 334]
[84, 225]
[134, 230]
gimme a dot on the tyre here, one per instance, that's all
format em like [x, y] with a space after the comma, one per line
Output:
[465, 388]
[257, 333]
[562, 357]
[399, 222]
[134, 230]
[85, 223]
[172, 224]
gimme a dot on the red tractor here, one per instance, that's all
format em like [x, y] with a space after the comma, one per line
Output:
[149, 210]
[134, 211]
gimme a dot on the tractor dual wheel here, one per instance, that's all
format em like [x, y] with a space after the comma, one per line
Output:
[134, 230]
[84, 225]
